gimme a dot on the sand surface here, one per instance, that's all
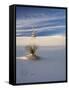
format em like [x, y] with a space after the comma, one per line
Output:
[50, 67]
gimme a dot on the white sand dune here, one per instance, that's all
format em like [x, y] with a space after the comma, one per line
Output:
[52, 63]
[41, 41]
[50, 67]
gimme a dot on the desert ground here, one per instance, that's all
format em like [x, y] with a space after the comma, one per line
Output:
[52, 63]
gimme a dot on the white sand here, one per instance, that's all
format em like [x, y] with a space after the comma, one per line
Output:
[50, 67]
[41, 41]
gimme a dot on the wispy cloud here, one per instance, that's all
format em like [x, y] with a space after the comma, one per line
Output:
[49, 28]
[40, 22]
[34, 21]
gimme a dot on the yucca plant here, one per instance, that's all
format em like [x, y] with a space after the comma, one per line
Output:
[31, 49]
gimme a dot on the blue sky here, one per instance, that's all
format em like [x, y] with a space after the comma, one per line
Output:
[45, 21]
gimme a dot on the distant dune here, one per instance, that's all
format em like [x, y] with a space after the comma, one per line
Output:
[41, 41]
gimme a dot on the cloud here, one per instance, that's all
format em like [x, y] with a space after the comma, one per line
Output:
[34, 21]
[49, 28]
[23, 30]
[40, 23]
